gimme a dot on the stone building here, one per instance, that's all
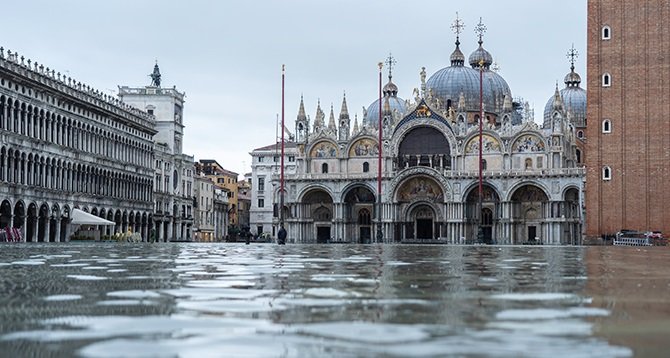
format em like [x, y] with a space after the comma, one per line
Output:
[265, 161]
[628, 104]
[173, 170]
[204, 210]
[532, 184]
[223, 179]
[66, 146]
[220, 213]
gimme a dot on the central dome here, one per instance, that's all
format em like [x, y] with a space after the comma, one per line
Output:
[448, 83]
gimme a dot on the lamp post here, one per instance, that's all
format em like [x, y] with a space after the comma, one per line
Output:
[480, 231]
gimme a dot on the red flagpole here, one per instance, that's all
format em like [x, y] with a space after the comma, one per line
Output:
[481, 121]
[380, 235]
[281, 171]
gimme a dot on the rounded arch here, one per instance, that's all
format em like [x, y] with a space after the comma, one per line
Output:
[398, 180]
[419, 188]
[420, 144]
[528, 142]
[363, 147]
[309, 192]
[5, 214]
[324, 148]
[490, 143]
[529, 192]
[490, 193]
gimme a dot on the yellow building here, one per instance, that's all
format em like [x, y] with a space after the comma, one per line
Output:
[224, 179]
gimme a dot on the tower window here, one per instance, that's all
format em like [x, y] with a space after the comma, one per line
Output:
[606, 33]
[607, 126]
[580, 134]
[607, 80]
[607, 173]
[324, 168]
[366, 167]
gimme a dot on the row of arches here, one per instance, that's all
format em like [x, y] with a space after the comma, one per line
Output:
[525, 214]
[44, 222]
[24, 168]
[50, 126]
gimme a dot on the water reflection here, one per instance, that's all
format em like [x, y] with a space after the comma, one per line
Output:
[296, 301]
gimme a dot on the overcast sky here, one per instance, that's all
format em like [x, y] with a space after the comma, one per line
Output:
[227, 55]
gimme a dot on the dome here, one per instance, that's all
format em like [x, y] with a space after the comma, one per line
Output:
[480, 54]
[372, 113]
[574, 101]
[448, 83]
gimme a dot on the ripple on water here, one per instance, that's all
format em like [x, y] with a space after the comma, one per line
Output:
[548, 313]
[62, 298]
[87, 277]
[535, 296]
[137, 294]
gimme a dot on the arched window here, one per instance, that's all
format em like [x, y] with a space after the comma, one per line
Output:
[580, 134]
[579, 156]
[607, 80]
[607, 126]
[606, 33]
[366, 167]
[607, 173]
[483, 164]
[529, 164]
[324, 168]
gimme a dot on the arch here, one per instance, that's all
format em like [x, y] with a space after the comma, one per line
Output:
[606, 32]
[528, 142]
[324, 149]
[607, 173]
[490, 144]
[366, 167]
[606, 80]
[324, 168]
[607, 126]
[419, 188]
[5, 214]
[422, 146]
[363, 147]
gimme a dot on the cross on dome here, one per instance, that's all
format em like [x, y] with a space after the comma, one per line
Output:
[457, 26]
[480, 29]
[390, 62]
[572, 54]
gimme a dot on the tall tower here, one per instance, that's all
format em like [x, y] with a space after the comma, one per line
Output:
[628, 104]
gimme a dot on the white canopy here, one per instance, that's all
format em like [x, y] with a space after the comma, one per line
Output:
[80, 217]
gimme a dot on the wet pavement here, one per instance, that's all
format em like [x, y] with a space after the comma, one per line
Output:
[264, 300]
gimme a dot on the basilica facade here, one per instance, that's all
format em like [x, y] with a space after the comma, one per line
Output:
[532, 189]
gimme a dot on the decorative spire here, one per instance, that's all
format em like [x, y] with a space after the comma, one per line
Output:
[480, 30]
[331, 120]
[572, 54]
[457, 58]
[356, 123]
[572, 79]
[301, 112]
[480, 57]
[390, 62]
[558, 101]
[156, 76]
[344, 112]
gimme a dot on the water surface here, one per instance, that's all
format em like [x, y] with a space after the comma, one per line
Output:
[233, 300]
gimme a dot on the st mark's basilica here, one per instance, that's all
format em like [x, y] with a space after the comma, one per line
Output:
[533, 177]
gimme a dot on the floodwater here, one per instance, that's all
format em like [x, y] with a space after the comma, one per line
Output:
[264, 300]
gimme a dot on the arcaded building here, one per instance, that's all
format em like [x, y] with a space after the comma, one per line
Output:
[66, 146]
[532, 182]
[628, 132]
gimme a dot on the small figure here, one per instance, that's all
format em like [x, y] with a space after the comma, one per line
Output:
[281, 236]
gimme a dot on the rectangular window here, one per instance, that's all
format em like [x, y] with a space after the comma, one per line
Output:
[259, 230]
[261, 183]
[260, 159]
[167, 183]
[261, 203]
[275, 158]
[291, 158]
[539, 162]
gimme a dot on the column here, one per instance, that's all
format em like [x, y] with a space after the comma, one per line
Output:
[58, 224]
[47, 228]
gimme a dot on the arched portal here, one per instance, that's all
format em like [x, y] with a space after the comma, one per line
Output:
[487, 217]
[319, 208]
[5, 214]
[31, 223]
[358, 209]
[43, 223]
[528, 207]
[423, 218]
